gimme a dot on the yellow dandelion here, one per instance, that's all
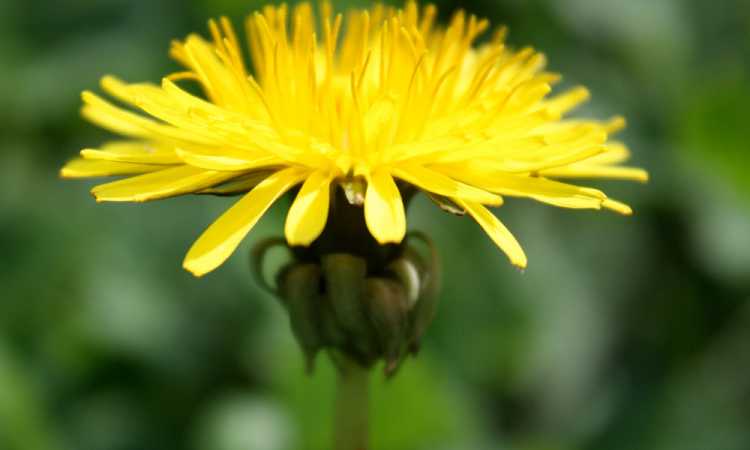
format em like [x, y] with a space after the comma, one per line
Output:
[383, 98]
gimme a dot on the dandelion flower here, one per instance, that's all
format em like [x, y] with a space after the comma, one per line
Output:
[385, 98]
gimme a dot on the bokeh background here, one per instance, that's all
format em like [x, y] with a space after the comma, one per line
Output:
[623, 333]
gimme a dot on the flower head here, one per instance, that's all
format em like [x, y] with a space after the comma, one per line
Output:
[381, 99]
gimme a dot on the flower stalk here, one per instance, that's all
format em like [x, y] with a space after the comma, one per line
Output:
[352, 414]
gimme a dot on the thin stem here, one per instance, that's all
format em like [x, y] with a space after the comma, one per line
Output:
[352, 406]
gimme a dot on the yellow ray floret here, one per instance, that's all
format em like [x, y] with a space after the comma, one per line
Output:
[384, 96]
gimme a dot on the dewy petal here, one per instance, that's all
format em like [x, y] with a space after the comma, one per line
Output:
[240, 185]
[540, 189]
[110, 117]
[308, 215]
[432, 181]
[497, 232]
[225, 159]
[384, 209]
[84, 168]
[107, 115]
[216, 126]
[218, 242]
[157, 185]
[137, 152]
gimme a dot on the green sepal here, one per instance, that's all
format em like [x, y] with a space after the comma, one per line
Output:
[345, 283]
[426, 308]
[299, 285]
[388, 310]
[257, 257]
[409, 273]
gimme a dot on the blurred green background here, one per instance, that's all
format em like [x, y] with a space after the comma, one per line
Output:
[623, 333]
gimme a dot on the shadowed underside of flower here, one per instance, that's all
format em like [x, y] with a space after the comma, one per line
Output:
[380, 97]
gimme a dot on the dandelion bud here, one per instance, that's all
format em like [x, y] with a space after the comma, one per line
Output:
[357, 307]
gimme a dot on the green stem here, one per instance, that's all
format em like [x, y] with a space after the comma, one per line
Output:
[352, 407]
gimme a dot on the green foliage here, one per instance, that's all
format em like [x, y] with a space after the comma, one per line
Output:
[713, 128]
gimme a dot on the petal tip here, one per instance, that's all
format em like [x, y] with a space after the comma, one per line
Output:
[294, 241]
[194, 268]
[496, 202]
[618, 207]
[616, 124]
[108, 80]
[519, 259]
[521, 265]
[389, 238]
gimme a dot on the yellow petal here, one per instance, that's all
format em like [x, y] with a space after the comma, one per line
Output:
[127, 123]
[384, 209]
[588, 144]
[222, 87]
[567, 101]
[218, 242]
[432, 181]
[164, 183]
[239, 185]
[617, 152]
[592, 171]
[120, 89]
[209, 124]
[566, 139]
[83, 168]
[225, 159]
[617, 207]
[109, 116]
[497, 232]
[540, 189]
[308, 215]
[133, 152]
[191, 118]
[525, 97]
[615, 125]
[564, 159]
